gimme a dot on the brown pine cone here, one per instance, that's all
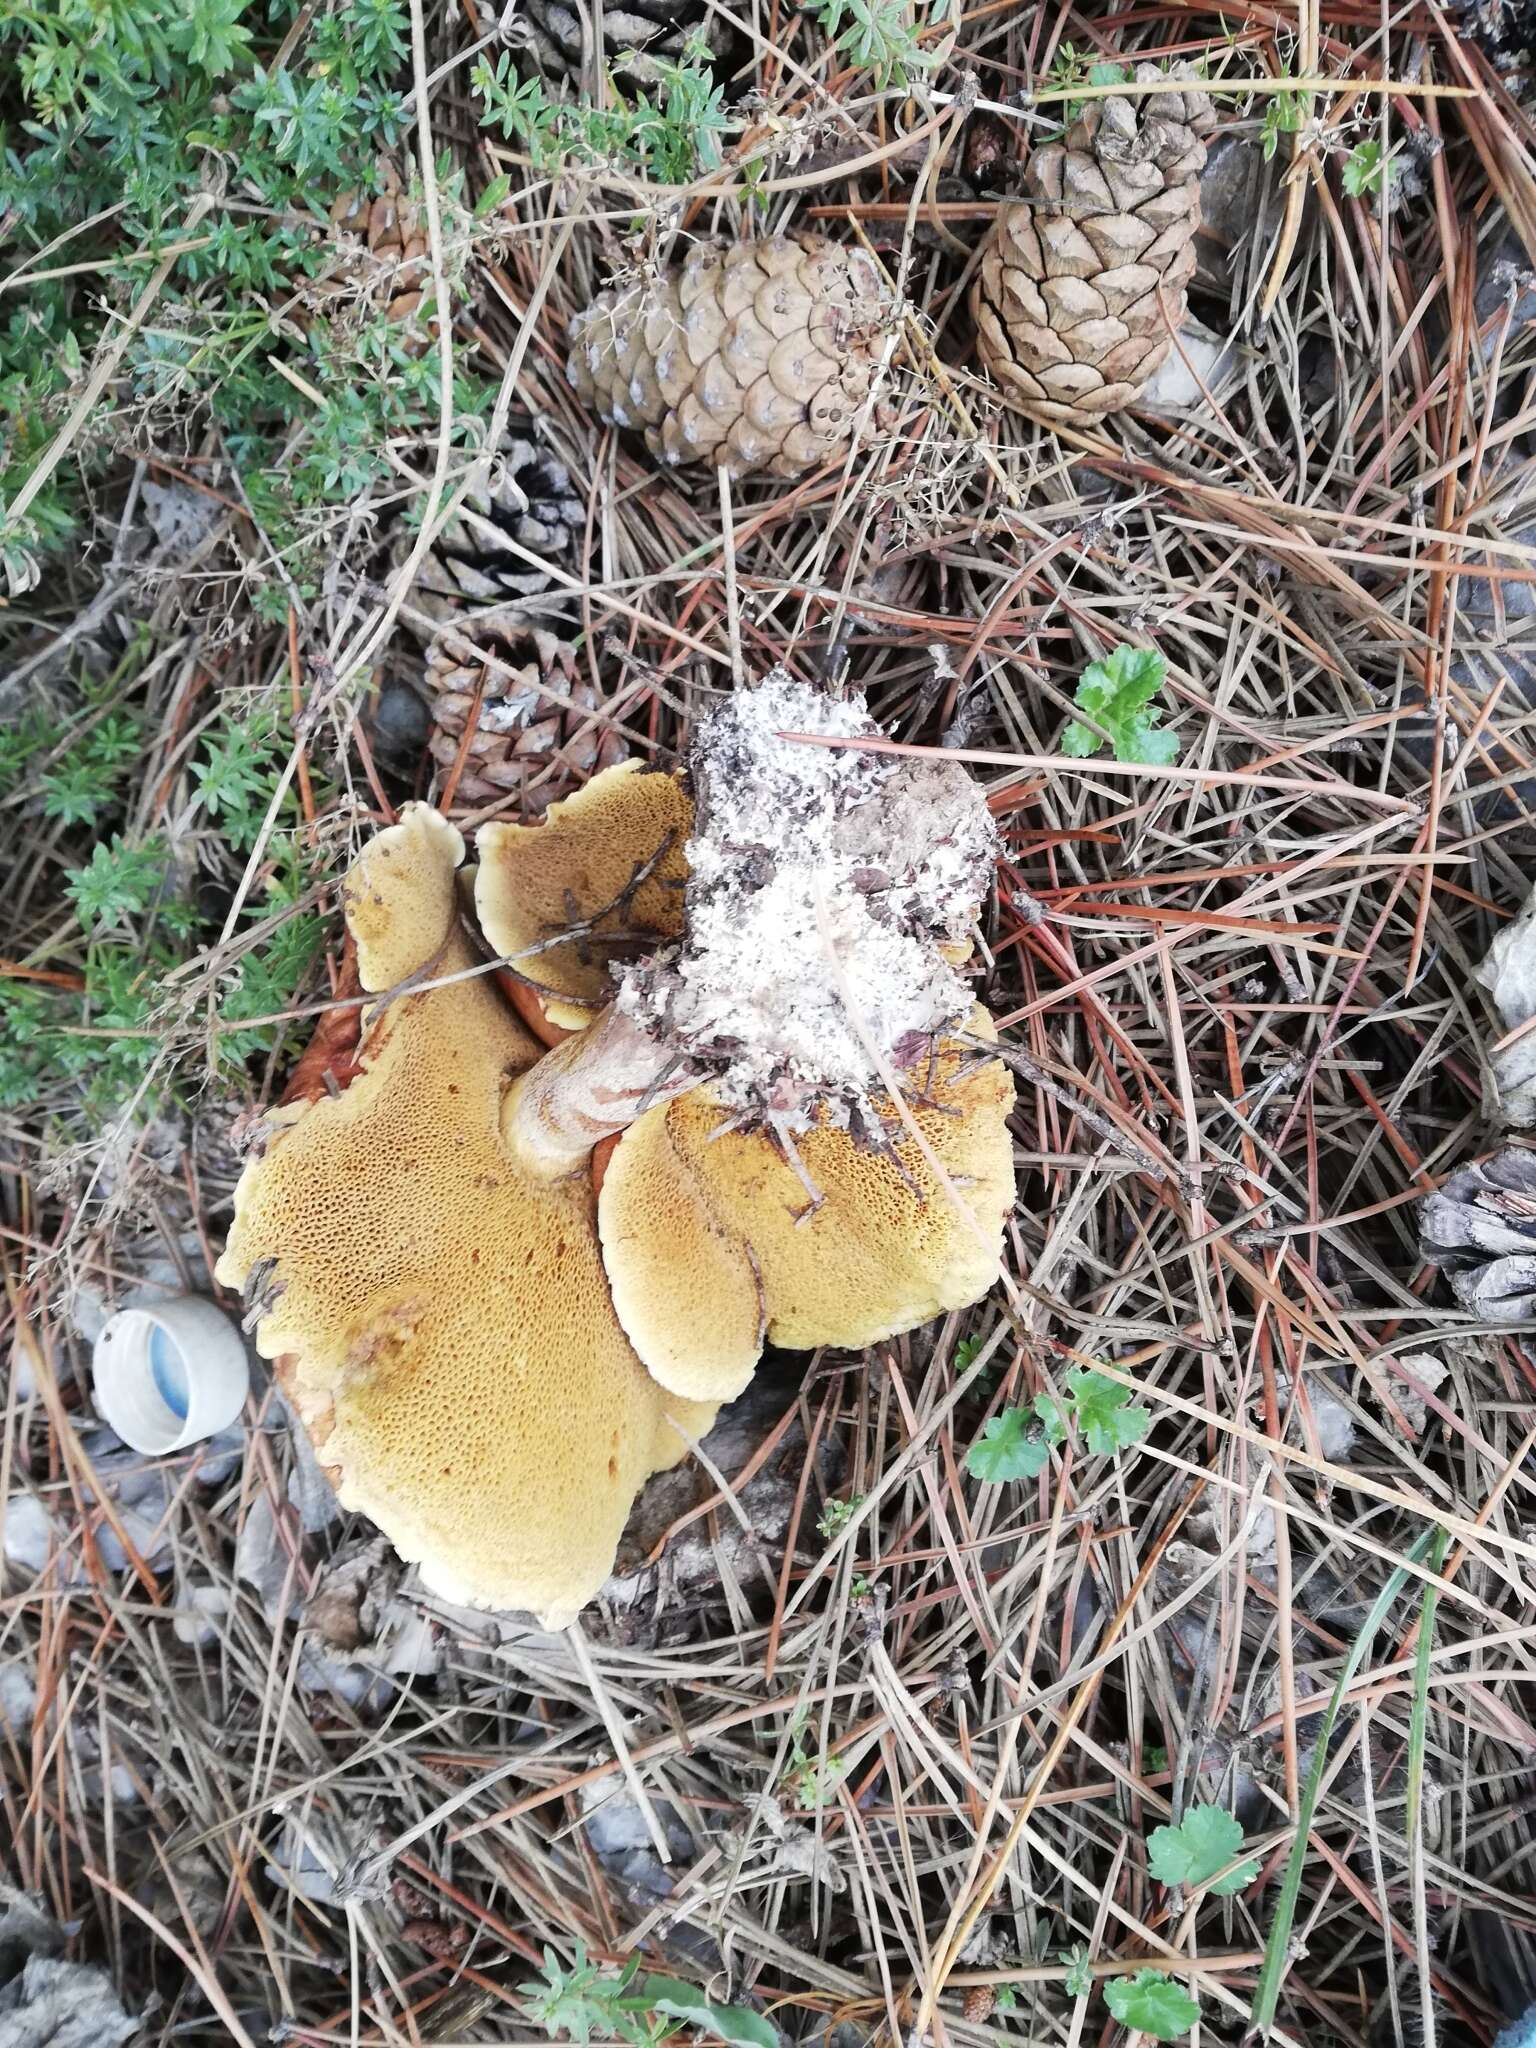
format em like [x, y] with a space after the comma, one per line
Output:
[1066, 301]
[752, 355]
[531, 503]
[526, 718]
[637, 34]
[391, 226]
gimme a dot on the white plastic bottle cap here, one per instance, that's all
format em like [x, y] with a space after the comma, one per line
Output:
[170, 1374]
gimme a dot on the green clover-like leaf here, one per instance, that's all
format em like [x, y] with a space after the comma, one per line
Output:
[1362, 169]
[1204, 1843]
[1152, 2004]
[1008, 1448]
[1116, 693]
[1101, 1410]
[1079, 1978]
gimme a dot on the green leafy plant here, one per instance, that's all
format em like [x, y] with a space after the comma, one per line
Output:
[877, 36]
[965, 1353]
[1152, 2004]
[632, 2006]
[1199, 1850]
[1018, 1443]
[1100, 1408]
[1116, 693]
[1286, 114]
[1013, 1445]
[671, 132]
[521, 109]
[121, 109]
[124, 119]
[1079, 1979]
[117, 882]
[1364, 169]
[84, 1039]
[836, 1515]
[814, 1778]
[269, 977]
[84, 781]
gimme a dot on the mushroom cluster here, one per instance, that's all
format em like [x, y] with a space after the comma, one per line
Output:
[687, 1067]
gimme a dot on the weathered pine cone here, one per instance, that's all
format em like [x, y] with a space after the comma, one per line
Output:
[531, 506]
[1082, 281]
[752, 355]
[1479, 1227]
[637, 35]
[390, 224]
[534, 735]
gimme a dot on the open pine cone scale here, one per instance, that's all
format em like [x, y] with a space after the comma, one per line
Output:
[389, 224]
[528, 710]
[531, 508]
[1083, 280]
[754, 355]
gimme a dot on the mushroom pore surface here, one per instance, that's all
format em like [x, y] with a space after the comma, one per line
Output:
[443, 1323]
[711, 1241]
[537, 880]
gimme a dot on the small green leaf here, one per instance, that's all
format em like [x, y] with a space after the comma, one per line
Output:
[493, 195]
[1100, 1410]
[965, 1353]
[117, 884]
[1283, 116]
[876, 36]
[1204, 1842]
[1143, 741]
[1152, 2004]
[1096, 1405]
[1117, 693]
[1008, 1448]
[1362, 169]
[732, 2023]
[1079, 1970]
[1055, 1417]
[837, 1514]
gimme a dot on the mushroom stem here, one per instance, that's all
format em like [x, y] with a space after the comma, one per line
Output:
[585, 1090]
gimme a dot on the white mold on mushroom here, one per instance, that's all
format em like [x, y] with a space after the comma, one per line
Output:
[825, 884]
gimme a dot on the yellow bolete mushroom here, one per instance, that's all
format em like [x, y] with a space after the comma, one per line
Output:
[440, 1317]
[565, 900]
[763, 1185]
[716, 1237]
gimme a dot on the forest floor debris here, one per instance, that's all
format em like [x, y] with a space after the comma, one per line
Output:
[263, 1781]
